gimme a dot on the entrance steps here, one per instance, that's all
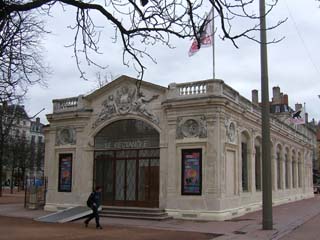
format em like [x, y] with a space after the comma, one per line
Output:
[134, 213]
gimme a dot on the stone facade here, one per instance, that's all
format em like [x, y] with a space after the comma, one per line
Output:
[207, 115]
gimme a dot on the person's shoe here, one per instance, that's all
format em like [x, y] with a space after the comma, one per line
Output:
[86, 224]
[99, 227]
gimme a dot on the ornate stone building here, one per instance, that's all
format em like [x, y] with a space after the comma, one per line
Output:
[193, 149]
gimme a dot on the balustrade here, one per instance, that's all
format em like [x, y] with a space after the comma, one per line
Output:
[192, 89]
[66, 104]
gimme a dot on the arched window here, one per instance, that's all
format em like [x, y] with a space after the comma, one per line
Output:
[279, 174]
[245, 161]
[127, 163]
[299, 171]
[258, 165]
[293, 166]
[286, 169]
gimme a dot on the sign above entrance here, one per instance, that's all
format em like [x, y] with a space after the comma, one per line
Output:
[126, 143]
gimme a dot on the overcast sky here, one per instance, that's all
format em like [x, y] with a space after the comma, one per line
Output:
[294, 63]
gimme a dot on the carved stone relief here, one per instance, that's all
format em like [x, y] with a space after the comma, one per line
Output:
[191, 127]
[65, 136]
[230, 131]
[126, 100]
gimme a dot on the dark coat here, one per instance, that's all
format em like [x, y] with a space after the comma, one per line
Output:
[94, 200]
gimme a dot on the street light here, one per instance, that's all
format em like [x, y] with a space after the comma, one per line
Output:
[36, 114]
[267, 223]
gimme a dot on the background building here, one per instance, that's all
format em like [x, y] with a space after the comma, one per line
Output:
[23, 145]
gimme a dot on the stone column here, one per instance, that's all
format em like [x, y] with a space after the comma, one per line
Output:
[212, 156]
[253, 167]
[173, 173]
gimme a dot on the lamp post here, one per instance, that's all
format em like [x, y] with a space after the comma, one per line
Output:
[267, 222]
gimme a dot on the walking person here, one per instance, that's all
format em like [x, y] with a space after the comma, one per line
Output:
[94, 202]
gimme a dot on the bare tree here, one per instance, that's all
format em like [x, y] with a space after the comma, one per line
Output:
[21, 65]
[5, 124]
[9, 114]
[20, 54]
[142, 23]
[39, 156]
[138, 24]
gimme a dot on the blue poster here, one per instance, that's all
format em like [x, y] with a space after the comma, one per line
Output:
[65, 178]
[191, 172]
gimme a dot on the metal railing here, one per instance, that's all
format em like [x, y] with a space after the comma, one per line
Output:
[35, 192]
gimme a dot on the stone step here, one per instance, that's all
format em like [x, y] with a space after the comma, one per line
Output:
[134, 213]
[133, 209]
[158, 218]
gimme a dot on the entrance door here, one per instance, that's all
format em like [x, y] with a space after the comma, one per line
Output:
[128, 177]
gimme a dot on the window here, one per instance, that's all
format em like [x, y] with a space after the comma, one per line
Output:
[293, 166]
[65, 172]
[130, 133]
[191, 177]
[40, 139]
[287, 170]
[278, 171]
[299, 175]
[258, 168]
[277, 109]
[244, 155]
[33, 138]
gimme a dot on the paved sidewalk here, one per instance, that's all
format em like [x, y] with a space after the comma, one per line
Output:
[285, 217]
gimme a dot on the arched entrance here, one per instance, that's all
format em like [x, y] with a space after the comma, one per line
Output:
[127, 164]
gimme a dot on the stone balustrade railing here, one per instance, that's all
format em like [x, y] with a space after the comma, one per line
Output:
[67, 104]
[195, 88]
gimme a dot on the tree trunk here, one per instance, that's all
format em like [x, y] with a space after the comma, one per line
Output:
[23, 170]
[18, 178]
[11, 182]
[1, 167]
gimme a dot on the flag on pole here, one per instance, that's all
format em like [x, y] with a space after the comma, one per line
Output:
[205, 35]
[298, 117]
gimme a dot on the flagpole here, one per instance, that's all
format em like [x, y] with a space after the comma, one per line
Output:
[213, 46]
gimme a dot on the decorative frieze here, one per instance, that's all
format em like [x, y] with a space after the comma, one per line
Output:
[126, 100]
[230, 131]
[66, 135]
[191, 127]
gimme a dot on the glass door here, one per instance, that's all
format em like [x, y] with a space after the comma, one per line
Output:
[128, 177]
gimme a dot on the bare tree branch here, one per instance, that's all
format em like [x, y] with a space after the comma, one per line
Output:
[140, 26]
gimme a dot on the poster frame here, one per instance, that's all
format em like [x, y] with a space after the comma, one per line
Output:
[183, 161]
[60, 184]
